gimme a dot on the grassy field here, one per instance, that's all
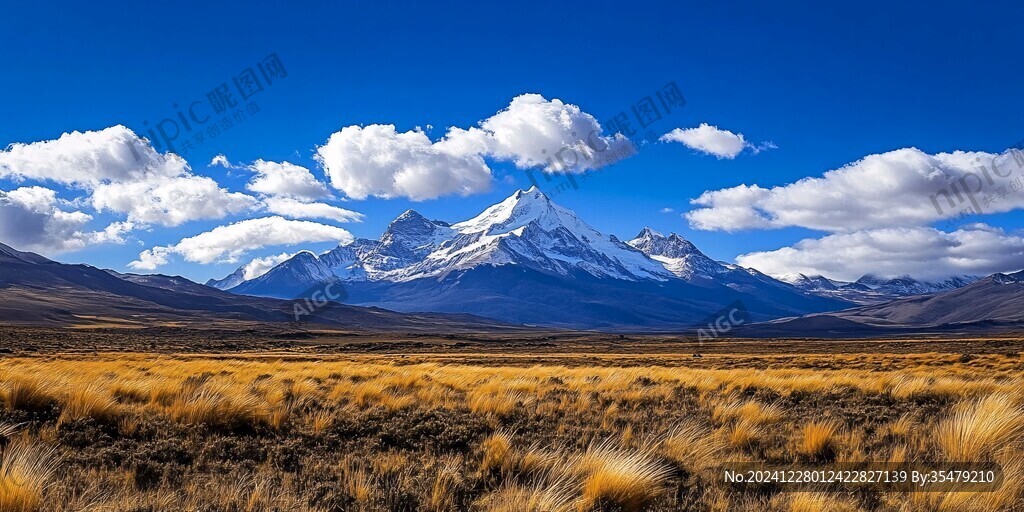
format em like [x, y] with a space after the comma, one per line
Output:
[498, 430]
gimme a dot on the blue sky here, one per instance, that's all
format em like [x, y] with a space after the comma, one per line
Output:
[828, 85]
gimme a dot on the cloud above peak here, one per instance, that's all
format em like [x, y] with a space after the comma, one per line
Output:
[379, 161]
[532, 132]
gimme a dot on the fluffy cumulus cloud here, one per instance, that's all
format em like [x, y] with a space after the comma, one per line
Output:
[121, 172]
[901, 188]
[377, 160]
[285, 180]
[31, 219]
[259, 266]
[230, 242]
[921, 252]
[170, 201]
[291, 208]
[86, 159]
[532, 132]
[715, 141]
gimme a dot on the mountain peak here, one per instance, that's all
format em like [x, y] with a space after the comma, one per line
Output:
[647, 232]
[532, 195]
[409, 215]
[518, 210]
[230, 281]
[653, 243]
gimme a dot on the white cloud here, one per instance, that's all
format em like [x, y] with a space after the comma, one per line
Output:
[923, 253]
[220, 161]
[31, 220]
[170, 201]
[228, 243]
[150, 259]
[712, 140]
[259, 266]
[377, 160]
[285, 179]
[905, 187]
[299, 210]
[534, 132]
[667, 210]
[123, 173]
[86, 159]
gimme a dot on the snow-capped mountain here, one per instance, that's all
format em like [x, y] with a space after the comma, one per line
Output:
[677, 254]
[230, 281]
[526, 229]
[529, 229]
[871, 289]
[529, 260]
[904, 285]
[810, 283]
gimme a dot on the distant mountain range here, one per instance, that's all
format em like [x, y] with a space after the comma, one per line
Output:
[992, 304]
[528, 260]
[870, 289]
[524, 261]
[37, 291]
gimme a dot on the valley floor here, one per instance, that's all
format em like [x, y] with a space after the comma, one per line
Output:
[178, 419]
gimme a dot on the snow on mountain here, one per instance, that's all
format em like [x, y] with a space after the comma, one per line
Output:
[905, 285]
[871, 289]
[407, 241]
[677, 254]
[230, 281]
[525, 229]
[810, 283]
[529, 229]
[529, 260]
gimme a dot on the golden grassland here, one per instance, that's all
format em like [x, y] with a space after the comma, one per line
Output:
[138, 432]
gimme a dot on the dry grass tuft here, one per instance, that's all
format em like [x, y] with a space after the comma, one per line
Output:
[817, 440]
[218, 406]
[91, 402]
[25, 473]
[743, 434]
[24, 394]
[497, 452]
[623, 479]
[979, 429]
[694, 447]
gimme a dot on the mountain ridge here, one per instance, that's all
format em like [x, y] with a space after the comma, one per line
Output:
[417, 264]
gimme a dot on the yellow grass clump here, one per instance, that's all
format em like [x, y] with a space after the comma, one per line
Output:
[817, 440]
[26, 471]
[90, 402]
[628, 480]
[26, 394]
[977, 430]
